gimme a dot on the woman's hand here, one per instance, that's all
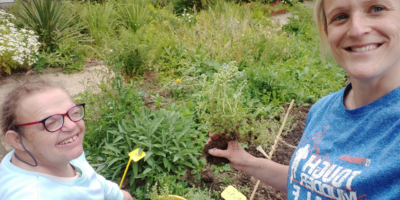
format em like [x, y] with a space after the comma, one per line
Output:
[127, 196]
[267, 171]
[235, 153]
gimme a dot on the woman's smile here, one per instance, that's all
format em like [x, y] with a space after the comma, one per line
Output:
[363, 48]
[69, 141]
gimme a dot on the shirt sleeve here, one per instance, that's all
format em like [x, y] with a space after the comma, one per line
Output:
[111, 189]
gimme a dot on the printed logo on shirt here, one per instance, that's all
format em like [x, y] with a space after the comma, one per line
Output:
[319, 177]
[355, 160]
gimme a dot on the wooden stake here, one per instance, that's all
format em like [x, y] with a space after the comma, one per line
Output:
[273, 147]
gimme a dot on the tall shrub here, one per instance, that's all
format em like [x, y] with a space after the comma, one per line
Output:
[48, 19]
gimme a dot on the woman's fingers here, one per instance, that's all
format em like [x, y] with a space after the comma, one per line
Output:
[218, 152]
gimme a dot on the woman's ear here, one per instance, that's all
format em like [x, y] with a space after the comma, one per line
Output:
[12, 138]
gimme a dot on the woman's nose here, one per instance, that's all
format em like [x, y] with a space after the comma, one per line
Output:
[68, 124]
[358, 26]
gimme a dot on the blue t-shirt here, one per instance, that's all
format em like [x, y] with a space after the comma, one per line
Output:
[348, 154]
[20, 184]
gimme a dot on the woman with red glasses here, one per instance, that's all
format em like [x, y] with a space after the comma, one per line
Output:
[45, 127]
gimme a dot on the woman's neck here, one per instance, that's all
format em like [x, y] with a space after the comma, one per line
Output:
[364, 92]
[54, 169]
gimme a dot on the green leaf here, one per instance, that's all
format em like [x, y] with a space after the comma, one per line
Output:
[194, 160]
[167, 164]
[135, 168]
[176, 157]
[158, 152]
[147, 170]
[151, 161]
[111, 147]
[148, 154]
[188, 164]
[113, 161]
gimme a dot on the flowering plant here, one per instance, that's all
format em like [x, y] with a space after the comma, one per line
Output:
[17, 47]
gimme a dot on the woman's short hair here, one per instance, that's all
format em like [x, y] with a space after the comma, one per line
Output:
[321, 21]
[9, 108]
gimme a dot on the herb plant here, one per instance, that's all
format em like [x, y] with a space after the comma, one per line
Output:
[220, 101]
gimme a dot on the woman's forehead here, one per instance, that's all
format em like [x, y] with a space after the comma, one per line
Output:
[43, 104]
[328, 5]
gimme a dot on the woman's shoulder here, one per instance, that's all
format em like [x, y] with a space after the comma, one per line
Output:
[328, 100]
[15, 185]
[82, 163]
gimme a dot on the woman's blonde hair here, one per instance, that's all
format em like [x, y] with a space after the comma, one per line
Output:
[321, 21]
[8, 112]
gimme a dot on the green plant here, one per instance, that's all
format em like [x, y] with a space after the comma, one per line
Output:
[169, 138]
[226, 179]
[117, 101]
[101, 19]
[199, 169]
[198, 194]
[219, 169]
[167, 185]
[134, 13]
[47, 19]
[220, 103]
[18, 48]
[301, 24]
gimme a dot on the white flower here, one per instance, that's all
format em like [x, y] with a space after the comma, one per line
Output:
[21, 45]
[190, 20]
[111, 50]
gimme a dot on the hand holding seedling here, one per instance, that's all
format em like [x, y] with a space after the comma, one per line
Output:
[235, 153]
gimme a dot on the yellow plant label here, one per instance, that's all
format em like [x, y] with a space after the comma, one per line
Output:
[135, 155]
[231, 193]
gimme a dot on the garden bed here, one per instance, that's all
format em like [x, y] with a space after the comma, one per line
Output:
[246, 183]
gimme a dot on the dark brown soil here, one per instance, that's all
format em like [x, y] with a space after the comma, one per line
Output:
[218, 144]
[245, 183]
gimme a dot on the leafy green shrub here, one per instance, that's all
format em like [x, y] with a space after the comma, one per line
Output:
[18, 48]
[168, 138]
[128, 59]
[135, 13]
[102, 20]
[66, 55]
[301, 24]
[120, 124]
[306, 80]
[117, 101]
[220, 103]
[49, 20]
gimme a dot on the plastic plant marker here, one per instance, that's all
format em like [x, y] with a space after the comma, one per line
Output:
[126, 169]
[134, 155]
[231, 193]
